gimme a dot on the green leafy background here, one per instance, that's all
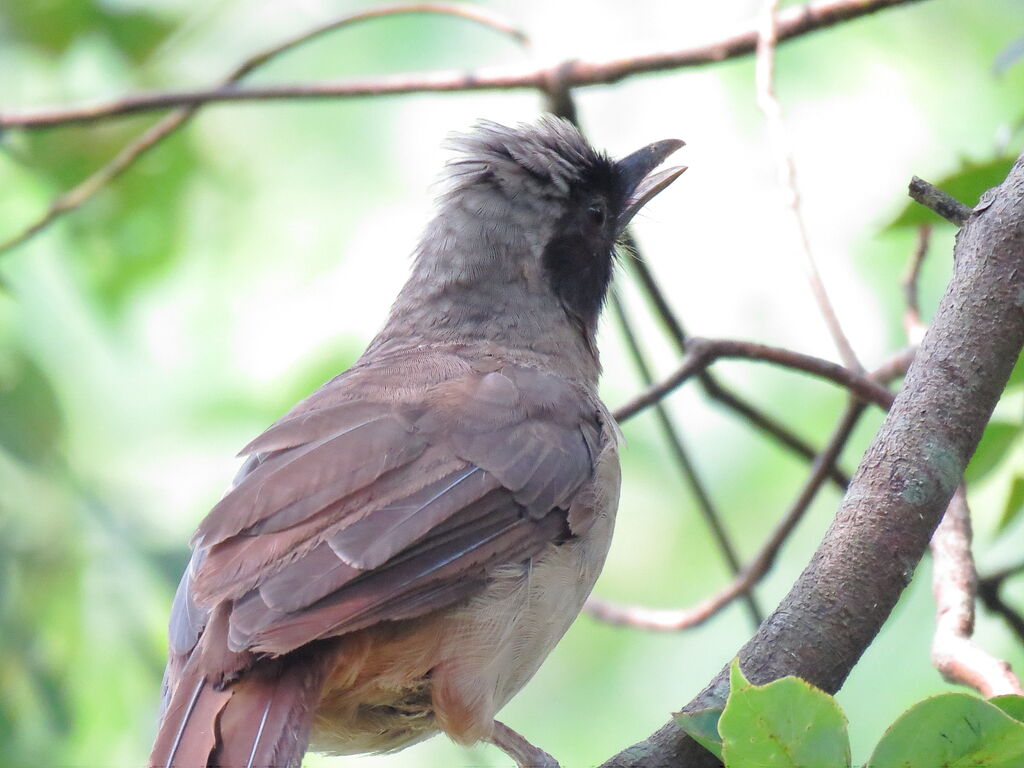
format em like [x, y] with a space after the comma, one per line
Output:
[147, 337]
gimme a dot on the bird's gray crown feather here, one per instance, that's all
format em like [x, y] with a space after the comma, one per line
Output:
[550, 152]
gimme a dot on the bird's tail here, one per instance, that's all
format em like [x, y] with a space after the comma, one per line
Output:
[259, 721]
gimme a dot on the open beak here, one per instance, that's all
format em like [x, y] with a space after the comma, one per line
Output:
[642, 181]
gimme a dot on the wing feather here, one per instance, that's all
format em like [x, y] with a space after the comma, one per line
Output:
[379, 502]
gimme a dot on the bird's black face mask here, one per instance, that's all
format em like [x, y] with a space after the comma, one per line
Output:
[606, 196]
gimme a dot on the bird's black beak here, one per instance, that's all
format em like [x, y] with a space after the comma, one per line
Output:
[641, 181]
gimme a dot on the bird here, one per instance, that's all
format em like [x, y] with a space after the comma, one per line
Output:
[399, 552]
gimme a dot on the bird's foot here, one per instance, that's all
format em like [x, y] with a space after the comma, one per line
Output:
[519, 749]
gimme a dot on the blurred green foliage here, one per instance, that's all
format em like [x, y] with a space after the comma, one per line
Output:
[147, 337]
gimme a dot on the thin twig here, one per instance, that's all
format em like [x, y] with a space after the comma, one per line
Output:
[954, 583]
[707, 509]
[894, 367]
[765, 73]
[710, 383]
[703, 352]
[998, 577]
[792, 22]
[988, 590]
[130, 154]
[942, 203]
[679, 619]
[912, 315]
[560, 102]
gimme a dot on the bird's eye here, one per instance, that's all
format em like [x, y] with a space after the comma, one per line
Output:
[596, 213]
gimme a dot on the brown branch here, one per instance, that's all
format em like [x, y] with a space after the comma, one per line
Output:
[679, 619]
[912, 323]
[954, 584]
[988, 590]
[703, 352]
[895, 367]
[954, 579]
[707, 508]
[675, 619]
[561, 103]
[942, 203]
[130, 153]
[792, 22]
[767, 39]
[904, 482]
[712, 387]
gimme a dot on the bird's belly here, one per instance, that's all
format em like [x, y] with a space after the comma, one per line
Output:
[396, 684]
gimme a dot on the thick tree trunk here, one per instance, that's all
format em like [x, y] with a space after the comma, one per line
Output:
[904, 482]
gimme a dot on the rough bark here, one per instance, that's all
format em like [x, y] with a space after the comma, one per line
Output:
[904, 482]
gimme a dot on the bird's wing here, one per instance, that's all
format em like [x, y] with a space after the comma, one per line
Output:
[362, 507]
[388, 494]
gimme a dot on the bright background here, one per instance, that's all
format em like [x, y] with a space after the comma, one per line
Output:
[248, 259]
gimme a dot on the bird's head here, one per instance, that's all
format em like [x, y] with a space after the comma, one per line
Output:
[525, 233]
[549, 205]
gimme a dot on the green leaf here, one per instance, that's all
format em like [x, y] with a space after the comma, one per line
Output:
[787, 723]
[1010, 704]
[702, 726]
[953, 730]
[966, 185]
[995, 444]
[1014, 504]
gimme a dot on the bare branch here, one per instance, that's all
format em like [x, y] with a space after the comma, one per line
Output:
[707, 509]
[954, 579]
[792, 22]
[988, 591]
[711, 385]
[942, 203]
[912, 323]
[954, 584]
[895, 367]
[130, 154]
[676, 619]
[904, 483]
[786, 166]
[703, 352]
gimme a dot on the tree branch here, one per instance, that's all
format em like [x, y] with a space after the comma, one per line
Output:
[703, 352]
[767, 39]
[169, 124]
[912, 323]
[988, 591]
[707, 509]
[675, 619]
[792, 22]
[904, 482]
[954, 583]
[942, 203]
[711, 385]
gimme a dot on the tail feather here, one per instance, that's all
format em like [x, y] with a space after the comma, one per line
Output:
[267, 722]
[187, 735]
[261, 720]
